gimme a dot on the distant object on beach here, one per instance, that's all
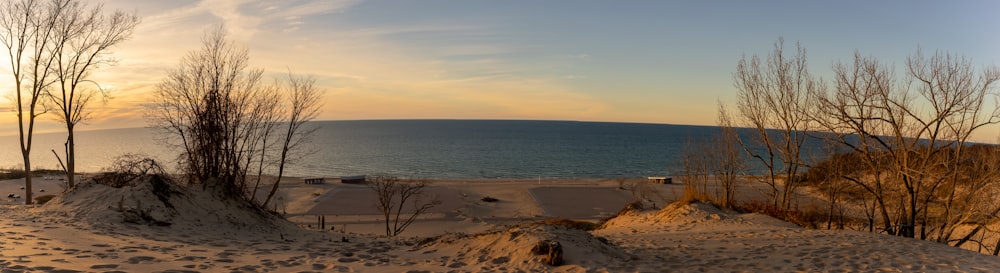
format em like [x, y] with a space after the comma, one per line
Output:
[356, 179]
[319, 180]
[661, 179]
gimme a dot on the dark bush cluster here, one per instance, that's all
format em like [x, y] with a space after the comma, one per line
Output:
[567, 223]
[41, 200]
[127, 170]
[130, 169]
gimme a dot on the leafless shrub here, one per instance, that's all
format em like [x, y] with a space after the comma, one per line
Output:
[692, 195]
[567, 223]
[400, 202]
[131, 169]
[127, 169]
[809, 218]
[641, 190]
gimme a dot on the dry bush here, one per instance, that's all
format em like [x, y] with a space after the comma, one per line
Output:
[41, 200]
[130, 169]
[567, 223]
[393, 197]
[12, 173]
[692, 195]
[127, 170]
[641, 190]
[809, 218]
[621, 182]
[629, 208]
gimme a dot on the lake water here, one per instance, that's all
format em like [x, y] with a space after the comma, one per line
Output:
[427, 148]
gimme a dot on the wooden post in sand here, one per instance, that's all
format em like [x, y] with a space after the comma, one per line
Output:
[321, 221]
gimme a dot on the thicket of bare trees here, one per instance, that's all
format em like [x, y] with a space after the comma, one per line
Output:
[223, 116]
[53, 46]
[715, 165]
[912, 132]
[903, 145]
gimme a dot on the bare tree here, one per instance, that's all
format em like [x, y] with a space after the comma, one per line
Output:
[773, 99]
[730, 163]
[621, 182]
[271, 100]
[697, 168]
[394, 196]
[718, 161]
[860, 99]
[81, 42]
[27, 28]
[957, 95]
[304, 104]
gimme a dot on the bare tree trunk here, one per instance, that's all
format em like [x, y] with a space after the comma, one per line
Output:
[26, 30]
[305, 104]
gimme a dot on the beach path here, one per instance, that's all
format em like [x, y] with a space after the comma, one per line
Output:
[580, 202]
[360, 200]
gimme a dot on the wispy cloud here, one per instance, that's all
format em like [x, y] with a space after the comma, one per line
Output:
[245, 18]
[427, 68]
[382, 31]
[581, 57]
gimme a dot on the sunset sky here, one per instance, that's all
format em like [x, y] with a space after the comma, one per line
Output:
[628, 61]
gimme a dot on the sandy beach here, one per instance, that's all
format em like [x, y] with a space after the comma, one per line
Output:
[84, 231]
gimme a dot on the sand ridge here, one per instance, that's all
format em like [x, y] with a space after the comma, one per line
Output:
[86, 230]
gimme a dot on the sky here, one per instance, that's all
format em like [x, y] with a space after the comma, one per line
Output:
[621, 61]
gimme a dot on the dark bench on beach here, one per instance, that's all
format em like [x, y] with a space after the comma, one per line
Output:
[357, 179]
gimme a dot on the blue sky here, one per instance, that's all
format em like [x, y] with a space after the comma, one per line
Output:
[629, 61]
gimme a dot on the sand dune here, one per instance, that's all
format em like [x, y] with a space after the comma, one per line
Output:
[96, 228]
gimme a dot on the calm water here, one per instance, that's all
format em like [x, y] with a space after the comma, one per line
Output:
[428, 148]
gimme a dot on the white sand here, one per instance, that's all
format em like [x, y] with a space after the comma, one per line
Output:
[84, 231]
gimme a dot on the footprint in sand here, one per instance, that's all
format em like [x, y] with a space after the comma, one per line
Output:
[140, 259]
[104, 266]
[248, 268]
